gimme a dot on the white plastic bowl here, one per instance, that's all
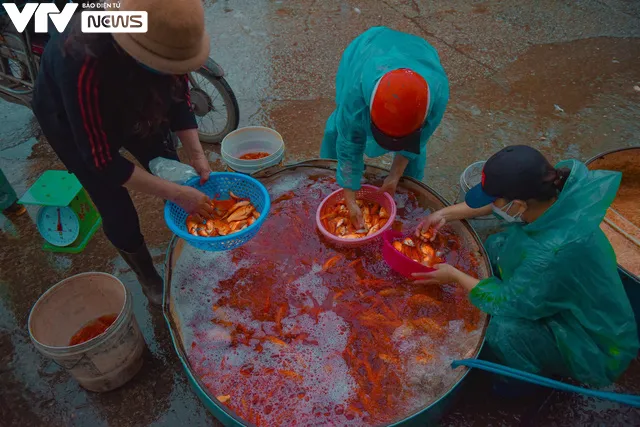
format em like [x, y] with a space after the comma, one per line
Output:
[250, 140]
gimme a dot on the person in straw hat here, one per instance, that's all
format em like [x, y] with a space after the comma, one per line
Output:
[98, 93]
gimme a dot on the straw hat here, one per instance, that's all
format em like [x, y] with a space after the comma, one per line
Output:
[176, 41]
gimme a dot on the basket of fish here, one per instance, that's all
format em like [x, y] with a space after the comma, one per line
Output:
[240, 206]
[378, 211]
[408, 254]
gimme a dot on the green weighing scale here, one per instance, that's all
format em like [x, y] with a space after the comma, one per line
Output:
[67, 218]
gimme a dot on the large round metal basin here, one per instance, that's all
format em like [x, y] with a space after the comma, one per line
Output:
[191, 302]
[622, 222]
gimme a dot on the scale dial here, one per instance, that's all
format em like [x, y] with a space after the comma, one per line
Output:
[59, 226]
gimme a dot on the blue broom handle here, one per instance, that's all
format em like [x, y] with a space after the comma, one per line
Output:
[627, 399]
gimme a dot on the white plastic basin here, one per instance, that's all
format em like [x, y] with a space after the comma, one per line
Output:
[250, 140]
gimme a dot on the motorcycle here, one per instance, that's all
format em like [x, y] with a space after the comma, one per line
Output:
[214, 103]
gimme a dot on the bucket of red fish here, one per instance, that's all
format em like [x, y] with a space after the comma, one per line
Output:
[250, 149]
[378, 211]
[85, 324]
[240, 205]
[407, 254]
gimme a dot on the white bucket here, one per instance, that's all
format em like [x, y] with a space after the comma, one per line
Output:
[105, 362]
[469, 178]
[250, 140]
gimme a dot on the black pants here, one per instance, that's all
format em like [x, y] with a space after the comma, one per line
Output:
[119, 217]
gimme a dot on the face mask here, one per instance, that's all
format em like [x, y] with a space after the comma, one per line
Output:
[503, 215]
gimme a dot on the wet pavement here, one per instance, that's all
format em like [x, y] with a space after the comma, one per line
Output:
[556, 75]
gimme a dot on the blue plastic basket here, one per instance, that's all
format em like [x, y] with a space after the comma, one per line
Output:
[219, 184]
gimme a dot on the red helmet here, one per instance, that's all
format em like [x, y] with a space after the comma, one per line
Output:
[399, 106]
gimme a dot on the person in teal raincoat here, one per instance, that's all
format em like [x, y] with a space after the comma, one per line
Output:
[391, 94]
[557, 304]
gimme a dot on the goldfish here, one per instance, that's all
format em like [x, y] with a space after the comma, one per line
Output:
[337, 222]
[229, 216]
[418, 250]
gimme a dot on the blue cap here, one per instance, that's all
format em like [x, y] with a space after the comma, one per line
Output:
[477, 198]
[515, 172]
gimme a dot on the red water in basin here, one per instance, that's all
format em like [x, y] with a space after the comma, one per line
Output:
[302, 333]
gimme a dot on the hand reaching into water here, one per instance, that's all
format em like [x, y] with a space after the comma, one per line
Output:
[355, 213]
[389, 186]
[357, 218]
[434, 221]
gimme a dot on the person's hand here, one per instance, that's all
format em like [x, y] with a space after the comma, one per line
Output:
[389, 186]
[356, 216]
[202, 166]
[355, 213]
[435, 221]
[443, 273]
[193, 201]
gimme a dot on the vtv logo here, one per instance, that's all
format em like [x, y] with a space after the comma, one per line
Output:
[43, 11]
[114, 22]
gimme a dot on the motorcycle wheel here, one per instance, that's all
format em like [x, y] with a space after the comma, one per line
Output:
[214, 105]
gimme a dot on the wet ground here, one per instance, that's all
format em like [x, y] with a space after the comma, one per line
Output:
[558, 75]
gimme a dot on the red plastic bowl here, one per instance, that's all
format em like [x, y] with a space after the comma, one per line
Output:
[399, 262]
[368, 193]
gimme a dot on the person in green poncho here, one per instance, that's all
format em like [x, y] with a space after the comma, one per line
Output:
[558, 306]
[391, 94]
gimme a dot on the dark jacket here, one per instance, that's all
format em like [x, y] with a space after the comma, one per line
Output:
[80, 96]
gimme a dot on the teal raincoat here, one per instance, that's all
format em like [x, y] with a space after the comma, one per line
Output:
[347, 136]
[558, 305]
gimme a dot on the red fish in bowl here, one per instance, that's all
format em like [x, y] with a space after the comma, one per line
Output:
[408, 254]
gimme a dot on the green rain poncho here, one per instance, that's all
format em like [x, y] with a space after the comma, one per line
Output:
[558, 304]
[347, 136]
